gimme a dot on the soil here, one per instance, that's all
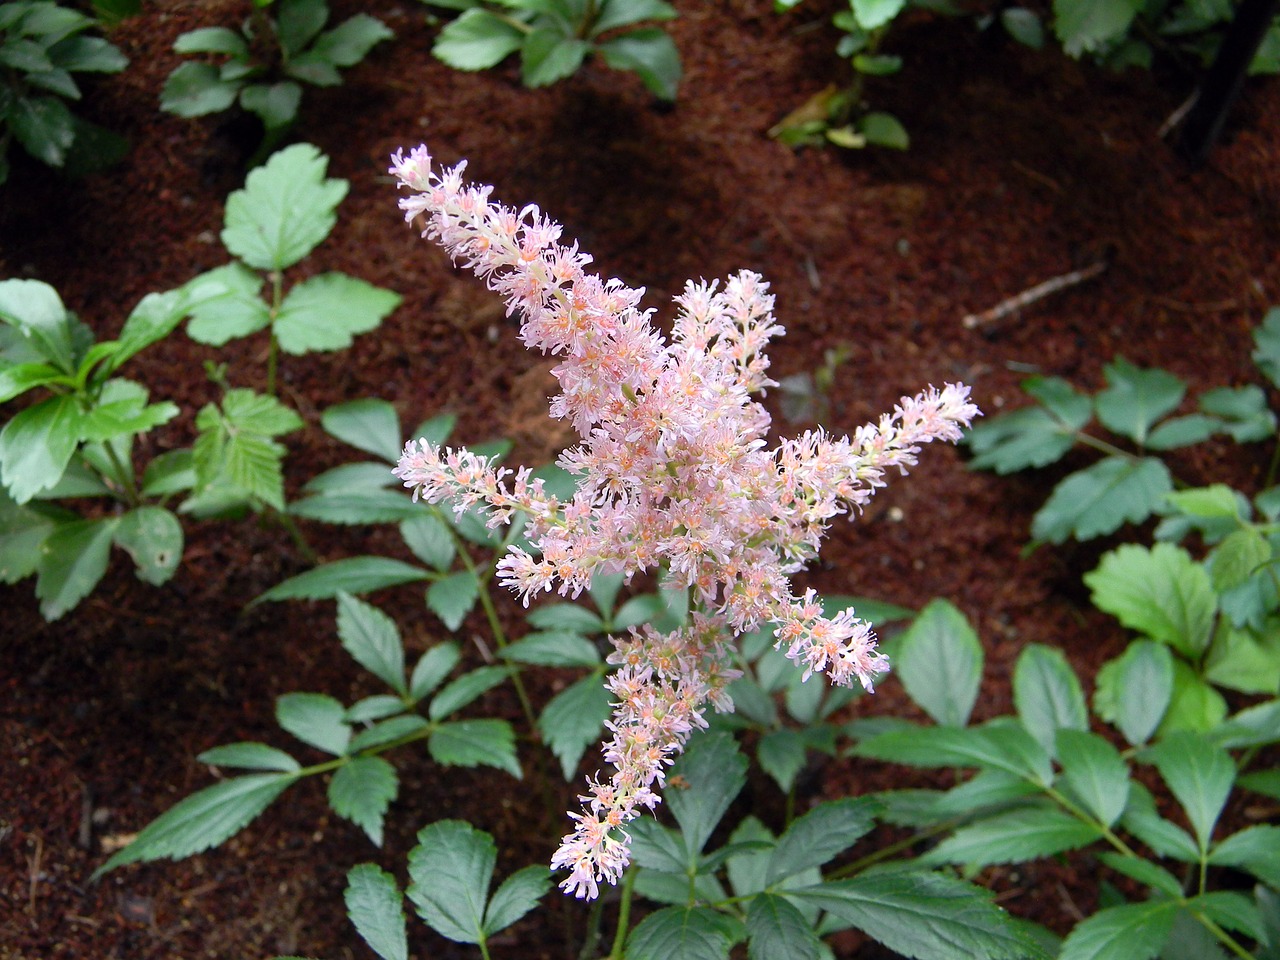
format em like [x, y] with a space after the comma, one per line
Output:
[1023, 165]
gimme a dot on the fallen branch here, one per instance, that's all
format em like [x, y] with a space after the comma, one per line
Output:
[1027, 297]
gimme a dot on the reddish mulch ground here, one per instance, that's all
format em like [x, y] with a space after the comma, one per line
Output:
[1023, 165]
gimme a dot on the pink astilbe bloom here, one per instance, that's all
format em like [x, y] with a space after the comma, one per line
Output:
[674, 473]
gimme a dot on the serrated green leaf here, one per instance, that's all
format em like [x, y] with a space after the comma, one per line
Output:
[452, 598]
[1085, 26]
[367, 424]
[1244, 410]
[36, 311]
[44, 126]
[286, 208]
[1266, 338]
[377, 707]
[355, 575]
[477, 40]
[1048, 695]
[19, 378]
[212, 40]
[690, 933]
[569, 617]
[1095, 772]
[986, 790]
[1137, 398]
[250, 756]
[1254, 849]
[1233, 910]
[1135, 931]
[298, 22]
[1099, 499]
[352, 478]
[22, 533]
[650, 54]
[225, 303]
[1144, 871]
[553, 649]
[1182, 432]
[1134, 690]
[195, 89]
[775, 928]
[548, 55]
[1034, 436]
[465, 689]
[428, 537]
[1006, 747]
[450, 871]
[470, 743]
[820, 835]
[614, 14]
[1238, 557]
[153, 537]
[350, 41]
[396, 728]
[1022, 834]
[872, 14]
[203, 820]
[153, 319]
[73, 558]
[781, 754]
[314, 718]
[376, 907]
[1160, 592]
[373, 641]
[1245, 659]
[37, 444]
[515, 897]
[1165, 838]
[361, 790]
[715, 772]
[357, 507]
[1213, 501]
[923, 915]
[325, 312]
[573, 720]
[432, 668]
[1194, 706]
[275, 104]
[1252, 726]
[1199, 774]
[939, 661]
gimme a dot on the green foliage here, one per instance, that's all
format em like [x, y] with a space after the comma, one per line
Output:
[268, 85]
[41, 45]
[554, 38]
[1046, 785]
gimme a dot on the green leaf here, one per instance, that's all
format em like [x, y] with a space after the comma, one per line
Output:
[286, 208]
[361, 791]
[44, 126]
[1266, 339]
[373, 641]
[775, 928]
[367, 424]
[996, 746]
[37, 444]
[1254, 849]
[477, 40]
[1195, 705]
[1024, 26]
[569, 617]
[573, 720]
[1233, 910]
[987, 790]
[1215, 500]
[1244, 409]
[820, 835]
[1252, 726]
[235, 449]
[432, 668]
[375, 906]
[36, 310]
[548, 55]
[1033, 436]
[312, 68]
[397, 728]
[465, 689]
[452, 598]
[780, 753]
[1099, 499]
[298, 22]
[515, 897]
[690, 933]
[153, 319]
[350, 41]
[1135, 931]
[1165, 838]
[1245, 659]
[553, 649]
[152, 536]
[357, 507]
[365, 477]
[212, 40]
[250, 756]
[1026, 833]
[1095, 772]
[623, 13]
[19, 378]
[377, 707]
[436, 430]
[876, 13]
[450, 871]
[326, 311]
[715, 773]
[355, 575]
[429, 538]
[22, 533]
[203, 820]
[1238, 557]
[939, 661]
[225, 304]
[1265, 782]
[922, 915]
[197, 89]
[651, 55]
[1182, 432]
[73, 558]
[314, 718]
[276, 104]
[1134, 690]
[1160, 592]
[1084, 26]
[1047, 695]
[470, 743]
[884, 130]
[1136, 398]
[1199, 774]
[1144, 871]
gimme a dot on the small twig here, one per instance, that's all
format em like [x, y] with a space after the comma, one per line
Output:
[34, 874]
[1027, 297]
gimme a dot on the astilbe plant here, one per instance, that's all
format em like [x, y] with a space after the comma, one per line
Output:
[674, 474]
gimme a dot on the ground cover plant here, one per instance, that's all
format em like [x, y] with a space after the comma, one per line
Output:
[1023, 165]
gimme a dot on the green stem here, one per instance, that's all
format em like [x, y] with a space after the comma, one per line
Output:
[125, 477]
[1273, 467]
[624, 913]
[1107, 833]
[273, 350]
[1223, 937]
[296, 535]
[1089, 440]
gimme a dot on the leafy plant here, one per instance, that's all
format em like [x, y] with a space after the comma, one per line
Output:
[268, 60]
[554, 38]
[1137, 406]
[1046, 785]
[41, 45]
[285, 210]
